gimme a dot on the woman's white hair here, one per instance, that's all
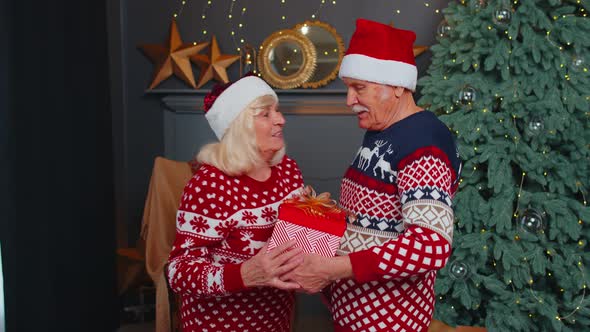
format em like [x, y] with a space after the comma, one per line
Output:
[237, 153]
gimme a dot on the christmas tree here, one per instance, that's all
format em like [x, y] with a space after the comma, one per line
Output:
[511, 80]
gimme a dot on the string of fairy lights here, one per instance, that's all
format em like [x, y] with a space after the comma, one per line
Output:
[539, 299]
[316, 14]
[549, 274]
[444, 28]
[525, 259]
[238, 38]
[237, 31]
[426, 4]
[442, 32]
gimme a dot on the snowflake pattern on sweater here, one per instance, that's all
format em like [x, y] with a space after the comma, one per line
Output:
[221, 222]
[399, 190]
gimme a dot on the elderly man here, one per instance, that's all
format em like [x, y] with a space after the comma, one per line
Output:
[398, 191]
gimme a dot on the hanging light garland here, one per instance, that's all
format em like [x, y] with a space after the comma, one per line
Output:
[204, 12]
[180, 9]
[576, 305]
[206, 6]
[549, 274]
[427, 4]
[316, 14]
[581, 244]
[237, 35]
[282, 11]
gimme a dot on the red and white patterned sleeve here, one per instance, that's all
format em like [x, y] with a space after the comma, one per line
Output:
[200, 224]
[297, 176]
[425, 186]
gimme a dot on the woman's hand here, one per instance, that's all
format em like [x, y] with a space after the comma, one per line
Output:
[264, 269]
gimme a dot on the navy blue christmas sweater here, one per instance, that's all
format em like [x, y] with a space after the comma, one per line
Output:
[398, 192]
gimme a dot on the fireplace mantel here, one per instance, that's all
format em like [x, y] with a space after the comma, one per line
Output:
[322, 134]
[305, 102]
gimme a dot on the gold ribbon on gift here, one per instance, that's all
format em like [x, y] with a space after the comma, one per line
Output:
[313, 204]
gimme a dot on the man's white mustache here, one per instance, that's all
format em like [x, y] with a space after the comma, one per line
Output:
[359, 108]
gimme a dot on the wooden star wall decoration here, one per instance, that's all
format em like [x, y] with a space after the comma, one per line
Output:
[172, 58]
[214, 65]
[419, 50]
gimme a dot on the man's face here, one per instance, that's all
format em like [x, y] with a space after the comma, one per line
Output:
[373, 103]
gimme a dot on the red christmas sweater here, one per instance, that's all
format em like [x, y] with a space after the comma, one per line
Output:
[399, 189]
[221, 222]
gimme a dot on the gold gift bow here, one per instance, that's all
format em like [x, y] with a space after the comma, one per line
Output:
[314, 204]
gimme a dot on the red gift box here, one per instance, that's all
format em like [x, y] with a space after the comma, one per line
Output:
[315, 231]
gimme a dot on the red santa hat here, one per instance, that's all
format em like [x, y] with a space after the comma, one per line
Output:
[381, 54]
[225, 102]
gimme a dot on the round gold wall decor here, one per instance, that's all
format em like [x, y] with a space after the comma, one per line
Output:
[286, 59]
[329, 50]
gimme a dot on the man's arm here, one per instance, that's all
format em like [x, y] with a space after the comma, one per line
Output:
[424, 183]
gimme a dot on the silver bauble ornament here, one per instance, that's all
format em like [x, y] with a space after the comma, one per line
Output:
[458, 270]
[502, 17]
[467, 95]
[443, 29]
[536, 125]
[532, 221]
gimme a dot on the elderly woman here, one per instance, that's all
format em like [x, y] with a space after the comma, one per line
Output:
[219, 264]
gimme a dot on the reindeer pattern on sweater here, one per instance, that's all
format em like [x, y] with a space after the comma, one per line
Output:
[398, 191]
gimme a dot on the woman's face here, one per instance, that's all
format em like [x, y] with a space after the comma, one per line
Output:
[268, 126]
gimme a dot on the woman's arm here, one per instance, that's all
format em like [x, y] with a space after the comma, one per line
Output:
[199, 227]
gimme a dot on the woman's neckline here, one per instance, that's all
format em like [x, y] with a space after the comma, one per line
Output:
[270, 177]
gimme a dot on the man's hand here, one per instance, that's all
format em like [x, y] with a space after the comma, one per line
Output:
[316, 272]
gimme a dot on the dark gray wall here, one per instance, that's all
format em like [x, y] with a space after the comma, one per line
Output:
[321, 144]
[143, 128]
